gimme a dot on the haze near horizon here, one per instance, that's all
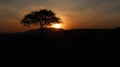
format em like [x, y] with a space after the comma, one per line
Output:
[76, 14]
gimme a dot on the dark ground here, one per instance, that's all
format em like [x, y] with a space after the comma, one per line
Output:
[78, 46]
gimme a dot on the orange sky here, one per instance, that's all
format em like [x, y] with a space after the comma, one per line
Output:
[74, 13]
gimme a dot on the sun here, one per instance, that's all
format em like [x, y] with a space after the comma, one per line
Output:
[56, 25]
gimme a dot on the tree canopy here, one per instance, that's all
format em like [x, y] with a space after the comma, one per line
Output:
[43, 17]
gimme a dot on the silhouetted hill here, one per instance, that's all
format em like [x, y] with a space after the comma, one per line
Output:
[47, 31]
[1, 33]
[76, 35]
[59, 46]
[73, 31]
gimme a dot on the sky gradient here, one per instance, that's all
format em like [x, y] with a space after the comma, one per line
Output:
[74, 13]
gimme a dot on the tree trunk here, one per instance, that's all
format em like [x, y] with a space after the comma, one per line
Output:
[42, 30]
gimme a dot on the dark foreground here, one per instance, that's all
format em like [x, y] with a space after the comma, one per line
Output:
[60, 47]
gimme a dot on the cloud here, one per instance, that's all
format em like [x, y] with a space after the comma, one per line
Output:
[75, 13]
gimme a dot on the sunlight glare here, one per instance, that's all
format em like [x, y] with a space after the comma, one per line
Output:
[56, 26]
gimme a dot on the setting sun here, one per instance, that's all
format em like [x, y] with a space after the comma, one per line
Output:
[56, 25]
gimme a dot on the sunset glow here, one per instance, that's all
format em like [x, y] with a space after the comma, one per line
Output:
[56, 26]
[75, 14]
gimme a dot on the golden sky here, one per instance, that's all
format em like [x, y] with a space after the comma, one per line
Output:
[74, 13]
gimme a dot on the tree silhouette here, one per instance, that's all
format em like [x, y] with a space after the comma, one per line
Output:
[43, 17]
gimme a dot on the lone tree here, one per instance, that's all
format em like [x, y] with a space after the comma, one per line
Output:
[43, 17]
